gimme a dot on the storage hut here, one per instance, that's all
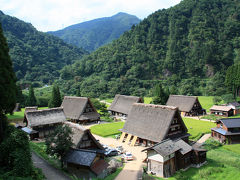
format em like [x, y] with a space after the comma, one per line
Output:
[221, 110]
[44, 121]
[149, 124]
[168, 156]
[188, 105]
[85, 164]
[79, 109]
[235, 106]
[227, 131]
[122, 104]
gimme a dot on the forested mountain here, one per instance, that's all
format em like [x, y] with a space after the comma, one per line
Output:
[92, 34]
[36, 56]
[188, 47]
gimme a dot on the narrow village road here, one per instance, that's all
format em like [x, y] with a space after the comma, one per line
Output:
[48, 170]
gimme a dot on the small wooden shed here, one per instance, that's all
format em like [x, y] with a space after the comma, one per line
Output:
[221, 110]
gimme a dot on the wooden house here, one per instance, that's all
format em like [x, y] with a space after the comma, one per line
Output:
[85, 164]
[82, 138]
[227, 131]
[44, 121]
[86, 159]
[28, 109]
[221, 110]
[235, 106]
[188, 105]
[79, 109]
[149, 124]
[122, 105]
[168, 156]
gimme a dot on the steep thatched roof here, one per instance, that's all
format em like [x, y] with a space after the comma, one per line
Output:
[28, 109]
[79, 132]
[151, 122]
[123, 104]
[45, 116]
[74, 108]
[184, 103]
[221, 108]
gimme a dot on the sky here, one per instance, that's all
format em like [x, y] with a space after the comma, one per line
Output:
[52, 15]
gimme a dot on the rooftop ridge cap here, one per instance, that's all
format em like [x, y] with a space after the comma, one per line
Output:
[156, 106]
[43, 110]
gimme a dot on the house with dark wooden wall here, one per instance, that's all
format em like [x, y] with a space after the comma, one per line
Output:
[227, 131]
[86, 158]
[122, 105]
[149, 124]
[44, 121]
[235, 106]
[169, 156]
[79, 109]
[221, 110]
[188, 105]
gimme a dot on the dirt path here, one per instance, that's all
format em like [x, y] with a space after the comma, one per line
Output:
[198, 118]
[48, 170]
[204, 138]
[132, 169]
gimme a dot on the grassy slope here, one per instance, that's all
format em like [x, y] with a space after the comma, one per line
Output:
[197, 127]
[206, 102]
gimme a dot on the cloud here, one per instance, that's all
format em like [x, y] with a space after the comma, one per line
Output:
[48, 15]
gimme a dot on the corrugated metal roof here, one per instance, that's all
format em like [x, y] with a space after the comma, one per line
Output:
[231, 122]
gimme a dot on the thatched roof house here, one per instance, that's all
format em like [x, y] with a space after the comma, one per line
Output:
[221, 110]
[45, 117]
[188, 105]
[82, 138]
[122, 104]
[79, 109]
[28, 109]
[45, 120]
[154, 123]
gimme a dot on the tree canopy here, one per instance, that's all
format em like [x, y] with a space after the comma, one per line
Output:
[56, 99]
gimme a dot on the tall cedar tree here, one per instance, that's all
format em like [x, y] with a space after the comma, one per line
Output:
[56, 99]
[59, 142]
[7, 82]
[232, 79]
[160, 95]
[31, 99]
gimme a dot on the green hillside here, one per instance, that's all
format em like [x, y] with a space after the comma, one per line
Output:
[36, 56]
[188, 47]
[92, 34]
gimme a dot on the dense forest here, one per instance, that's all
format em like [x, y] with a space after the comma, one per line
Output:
[36, 56]
[92, 34]
[187, 47]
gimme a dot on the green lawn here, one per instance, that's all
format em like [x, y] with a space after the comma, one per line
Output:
[197, 127]
[206, 102]
[147, 100]
[233, 147]
[107, 129]
[20, 115]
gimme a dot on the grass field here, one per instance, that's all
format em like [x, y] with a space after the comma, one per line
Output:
[20, 115]
[206, 102]
[197, 127]
[233, 147]
[107, 129]
[147, 100]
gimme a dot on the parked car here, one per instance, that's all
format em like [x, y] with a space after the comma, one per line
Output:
[119, 149]
[111, 152]
[127, 156]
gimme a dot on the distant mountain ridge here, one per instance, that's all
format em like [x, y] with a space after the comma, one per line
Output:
[92, 34]
[36, 56]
